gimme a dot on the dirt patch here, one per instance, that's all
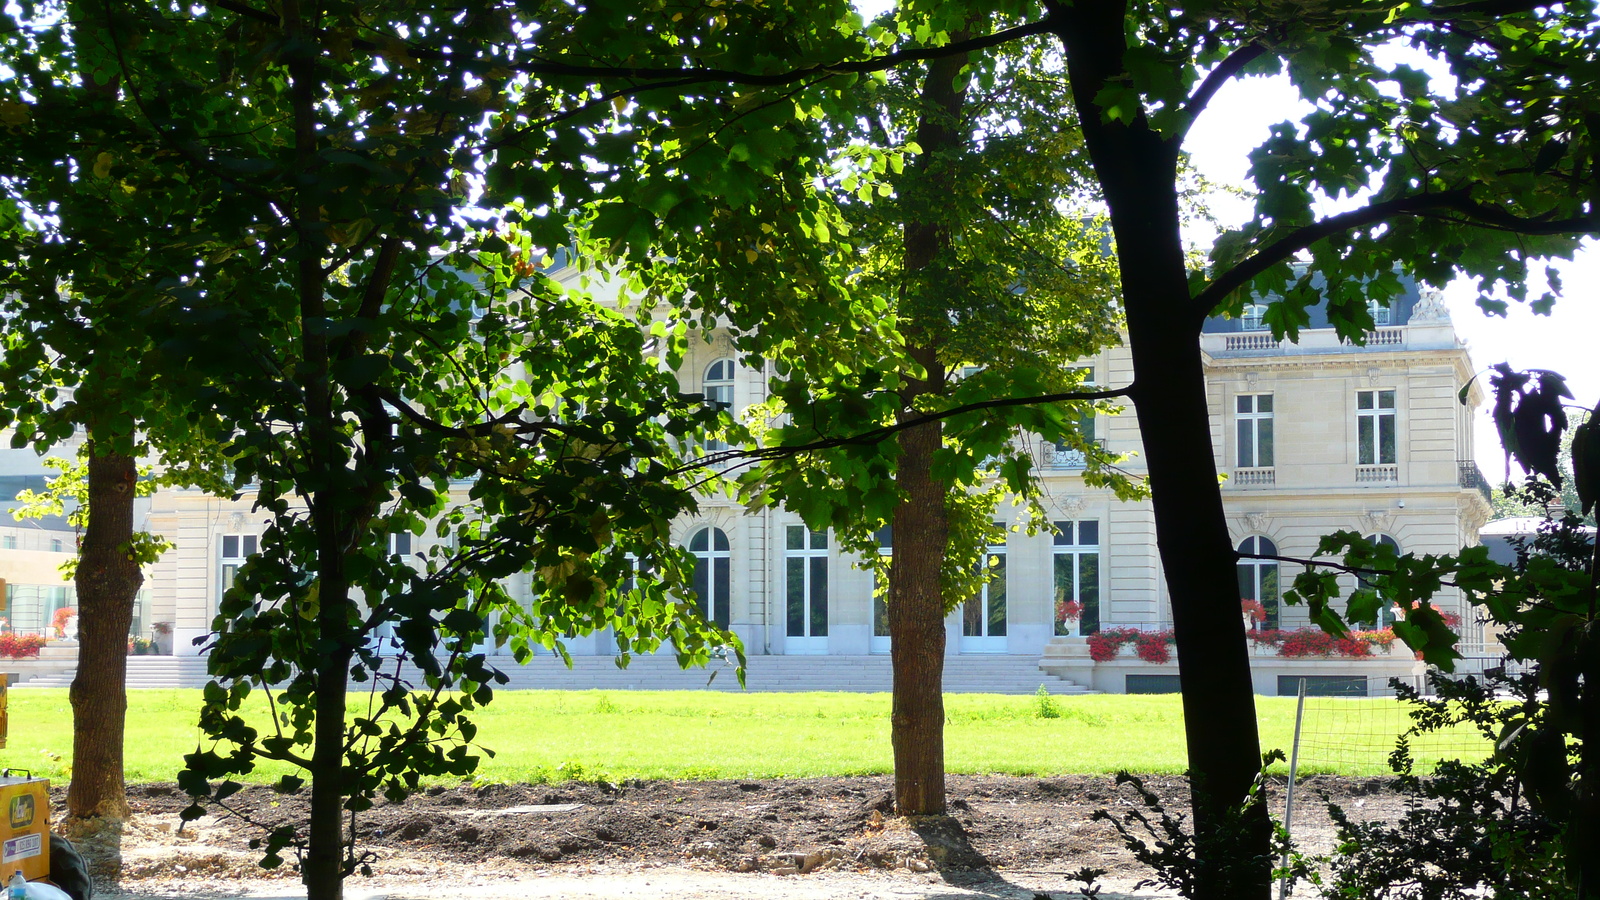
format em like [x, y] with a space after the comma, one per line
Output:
[998, 827]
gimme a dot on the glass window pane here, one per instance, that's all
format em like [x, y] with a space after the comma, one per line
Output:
[723, 586]
[997, 596]
[1365, 451]
[796, 537]
[1247, 581]
[819, 596]
[1264, 443]
[1243, 403]
[1245, 435]
[819, 540]
[1065, 588]
[1089, 533]
[972, 617]
[1386, 440]
[230, 546]
[1386, 399]
[880, 617]
[1264, 403]
[701, 584]
[795, 583]
[885, 537]
[1064, 533]
[1265, 545]
[701, 540]
[719, 539]
[1363, 399]
[1089, 592]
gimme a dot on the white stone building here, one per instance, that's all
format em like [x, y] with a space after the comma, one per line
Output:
[1314, 437]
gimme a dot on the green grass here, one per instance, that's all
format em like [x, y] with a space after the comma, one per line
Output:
[553, 735]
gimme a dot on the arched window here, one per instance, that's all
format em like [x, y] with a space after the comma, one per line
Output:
[717, 386]
[1386, 614]
[713, 574]
[1258, 578]
[1254, 317]
[1381, 314]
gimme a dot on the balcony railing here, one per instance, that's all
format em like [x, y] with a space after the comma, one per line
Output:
[1377, 474]
[1253, 477]
[1053, 457]
[1252, 340]
[1472, 477]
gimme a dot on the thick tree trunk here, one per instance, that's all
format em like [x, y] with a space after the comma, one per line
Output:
[107, 583]
[921, 526]
[916, 620]
[1137, 169]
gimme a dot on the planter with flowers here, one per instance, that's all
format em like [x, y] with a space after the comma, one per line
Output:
[1150, 646]
[20, 646]
[1067, 614]
[63, 624]
[1304, 643]
[1255, 615]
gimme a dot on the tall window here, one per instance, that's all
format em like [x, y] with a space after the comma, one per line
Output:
[880, 604]
[1386, 614]
[1253, 428]
[806, 581]
[717, 386]
[1258, 578]
[1077, 577]
[1254, 317]
[1375, 428]
[985, 614]
[713, 575]
[236, 548]
[10, 542]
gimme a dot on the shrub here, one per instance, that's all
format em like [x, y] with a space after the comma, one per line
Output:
[20, 646]
[1151, 646]
[1044, 705]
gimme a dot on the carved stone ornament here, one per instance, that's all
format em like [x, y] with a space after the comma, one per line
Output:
[1251, 377]
[1430, 308]
[1071, 507]
[1376, 521]
[1257, 521]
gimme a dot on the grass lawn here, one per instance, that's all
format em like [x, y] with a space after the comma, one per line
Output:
[554, 735]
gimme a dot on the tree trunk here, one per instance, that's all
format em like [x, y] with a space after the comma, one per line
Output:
[916, 619]
[107, 583]
[1137, 170]
[921, 527]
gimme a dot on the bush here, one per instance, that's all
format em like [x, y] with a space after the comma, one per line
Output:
[1152, 646]
[1044, 705]
[20, 646]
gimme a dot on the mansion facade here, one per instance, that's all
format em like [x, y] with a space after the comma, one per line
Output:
[1313, 437]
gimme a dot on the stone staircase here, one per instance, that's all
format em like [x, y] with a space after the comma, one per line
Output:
[989, 674]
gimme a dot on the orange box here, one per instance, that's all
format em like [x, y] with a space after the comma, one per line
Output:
[24, 826]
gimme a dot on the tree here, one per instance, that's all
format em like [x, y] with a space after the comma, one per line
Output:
[78, 360]
[293, 244]
[972, 255]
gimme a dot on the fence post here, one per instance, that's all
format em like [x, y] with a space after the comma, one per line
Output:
[1288, 805]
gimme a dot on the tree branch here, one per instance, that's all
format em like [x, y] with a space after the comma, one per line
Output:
[1458, 201]
[1219, 76]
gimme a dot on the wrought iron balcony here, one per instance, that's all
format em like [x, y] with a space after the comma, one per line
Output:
[1472, 477]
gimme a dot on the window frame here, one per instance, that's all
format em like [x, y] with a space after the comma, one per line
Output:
[1067, 546]
[810, 562]
[1371, 423]
[1254, 422]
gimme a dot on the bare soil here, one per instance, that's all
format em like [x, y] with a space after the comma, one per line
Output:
[815, 837]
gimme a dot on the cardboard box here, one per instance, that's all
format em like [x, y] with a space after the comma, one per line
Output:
[24, 826]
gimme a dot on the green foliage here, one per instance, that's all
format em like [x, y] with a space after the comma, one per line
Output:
[67, 493]
[1177, 858]
[1044, 705]
[1471, 829]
